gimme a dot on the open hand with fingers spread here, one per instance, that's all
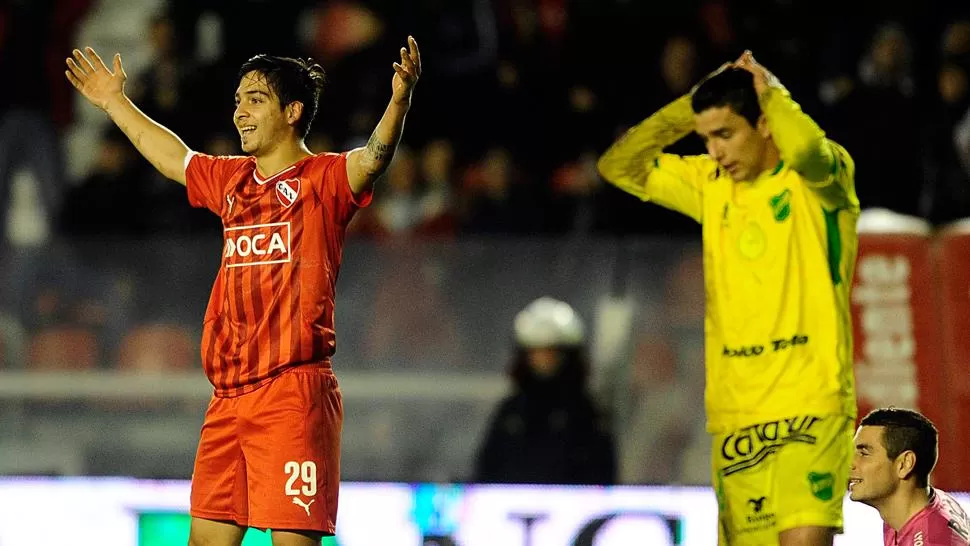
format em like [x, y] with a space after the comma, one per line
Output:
[89, 75]
[406, 73]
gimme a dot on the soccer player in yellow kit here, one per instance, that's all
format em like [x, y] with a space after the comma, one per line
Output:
[778, 209]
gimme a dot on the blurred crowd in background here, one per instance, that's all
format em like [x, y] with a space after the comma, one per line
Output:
[517, 100]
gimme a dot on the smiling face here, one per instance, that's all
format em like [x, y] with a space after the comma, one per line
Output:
[873, 475]
[737, 146]
[260, 119]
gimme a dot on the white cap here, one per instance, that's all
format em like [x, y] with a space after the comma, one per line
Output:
[548, 322]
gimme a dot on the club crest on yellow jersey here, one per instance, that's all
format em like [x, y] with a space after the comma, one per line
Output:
[781, 205]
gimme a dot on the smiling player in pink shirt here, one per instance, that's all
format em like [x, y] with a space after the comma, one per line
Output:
[895, 451]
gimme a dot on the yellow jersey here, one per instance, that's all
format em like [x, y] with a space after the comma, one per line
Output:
[779, 255]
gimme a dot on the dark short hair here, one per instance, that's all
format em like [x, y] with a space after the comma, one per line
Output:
[293, 80]
[907, 430]
[732, 87]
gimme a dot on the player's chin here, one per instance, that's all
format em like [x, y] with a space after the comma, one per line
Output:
[857, 496]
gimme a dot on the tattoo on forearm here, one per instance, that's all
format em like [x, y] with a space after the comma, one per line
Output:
[378, 150]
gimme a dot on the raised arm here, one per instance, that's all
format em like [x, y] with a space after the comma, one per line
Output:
[828, 168]
[628, 162]
[105, 89]
[637, 165]
[800, 141]
[365, 165]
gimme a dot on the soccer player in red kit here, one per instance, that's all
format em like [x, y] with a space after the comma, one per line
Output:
[895, 451]
[269, 453]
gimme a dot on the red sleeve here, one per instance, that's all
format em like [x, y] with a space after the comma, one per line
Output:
[333, 188]
[206, 177]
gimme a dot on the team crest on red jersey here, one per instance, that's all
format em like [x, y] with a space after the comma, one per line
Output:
[287, 191]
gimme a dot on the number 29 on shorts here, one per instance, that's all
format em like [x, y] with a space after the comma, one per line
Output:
[305, 472]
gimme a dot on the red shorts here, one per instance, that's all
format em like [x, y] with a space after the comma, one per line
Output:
[270, 459]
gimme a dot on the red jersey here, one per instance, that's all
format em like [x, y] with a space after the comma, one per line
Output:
[272, 303]
[942, 523]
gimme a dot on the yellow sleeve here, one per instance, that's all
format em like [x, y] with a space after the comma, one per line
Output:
[637, 165]
[826, 166]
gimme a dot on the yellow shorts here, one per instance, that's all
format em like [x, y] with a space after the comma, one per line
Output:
[780, 475]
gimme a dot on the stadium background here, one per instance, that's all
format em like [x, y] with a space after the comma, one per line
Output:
[492, 201]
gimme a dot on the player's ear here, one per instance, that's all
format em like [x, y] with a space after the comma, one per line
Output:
[905, 464]
[762, 127]
[293, 112]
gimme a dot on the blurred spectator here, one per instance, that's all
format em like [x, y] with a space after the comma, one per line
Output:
[575, 186]
[351, 41]
[532, 80]
[35, 36]
[342, 28]
[221, 144]
[956, 39]
[34, 102]
[398, 206]
[277, 26]
[160, 91]
[715, 19]
[961, 139]
[498, 200]
[110, 201]
[875, 116]
[28, 143]
[549, 431]
[416, 199]
[413, 323]
[678, 67]
[947, 182]
[463, 39]
[438, 207]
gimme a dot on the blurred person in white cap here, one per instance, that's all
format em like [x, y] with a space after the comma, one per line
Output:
[549, 429]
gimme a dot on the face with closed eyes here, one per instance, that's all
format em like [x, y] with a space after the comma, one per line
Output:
[738, 147]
